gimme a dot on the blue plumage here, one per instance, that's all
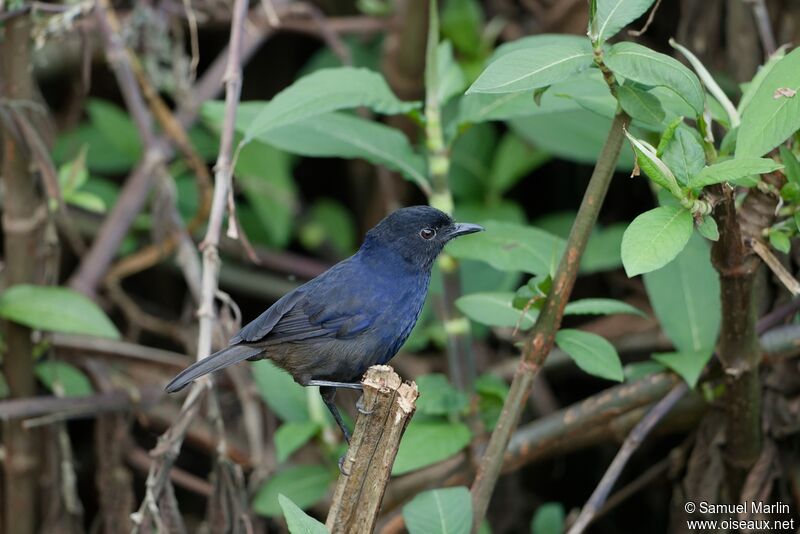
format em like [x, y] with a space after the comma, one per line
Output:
[356, 314]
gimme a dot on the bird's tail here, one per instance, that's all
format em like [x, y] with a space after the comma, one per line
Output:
[215, 362]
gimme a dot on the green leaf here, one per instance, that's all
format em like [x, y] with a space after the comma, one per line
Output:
[281, 393]
[638, 370]
[780, 242]
[427, 442]
[601, 307]
[688, 365]
[86, 200]
[708, 228]
[592, 353]
[63, 379]
[513, 160]
[462, 23]
[495, 309]
[574, 134]
[439, 511]
[733, 169]
[654, 238]
[647, 67]
[73, 174]
[685, 298]
[532, 43]
[548, 519]
[683, 153]
[116, 126]
[654, 167]
[347, 136]
[640, 104]
[56, 309]
[303, 484]
[791, 166]
[102, 155]
[329, 223]
[470, 162]
[772, 116]
[297, 520]
[291, 436]
[264, 173]
[437, 396]
[749, 89]
[324, 91]
[613, 15]
[525, 70]
[510, 247]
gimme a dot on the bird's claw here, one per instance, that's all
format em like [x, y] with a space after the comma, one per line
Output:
[361, 408]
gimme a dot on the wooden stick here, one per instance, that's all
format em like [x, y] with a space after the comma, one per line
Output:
[388, 405]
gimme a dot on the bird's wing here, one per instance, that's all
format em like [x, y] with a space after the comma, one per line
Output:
[262, 325]
[325, 306]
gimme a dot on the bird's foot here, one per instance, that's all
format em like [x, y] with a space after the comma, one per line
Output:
[361, 408]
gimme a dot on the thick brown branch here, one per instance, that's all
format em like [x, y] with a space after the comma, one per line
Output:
[388, 406]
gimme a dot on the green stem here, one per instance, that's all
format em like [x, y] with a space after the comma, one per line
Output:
[540, 341]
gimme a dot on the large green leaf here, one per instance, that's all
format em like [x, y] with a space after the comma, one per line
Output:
[437, 396]
[528, 69]
[640, 64]
[324, 91]
[531, 43]
[63, 379]
[654, 238]
[264, 173]
[510, 247]
[749, 89]
[281, 393]
[603, 249]
[613, 15]
[640, 104]
[303, 484]
[732, 170]
[688, 365]
[601, 307]
[684, 153]
[57, 309]
[116, 126]
[575, 134]
[513, 159]
[495, 309]
[297, 520]
[592, 353]
[773, 113]
[347, 136]
[685, 298]
[427, 442]
[439, 511]
[291, 436]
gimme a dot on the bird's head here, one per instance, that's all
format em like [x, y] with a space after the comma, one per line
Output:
[418, 234]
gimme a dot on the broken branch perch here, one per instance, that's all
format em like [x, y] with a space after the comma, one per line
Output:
[386, 408]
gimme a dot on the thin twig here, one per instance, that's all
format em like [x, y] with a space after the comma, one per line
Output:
[648, 22]
[764, 26]
[632, 442]
[786, 278]
[170, 442]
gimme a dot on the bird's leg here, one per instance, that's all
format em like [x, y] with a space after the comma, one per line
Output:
[348, 385]
[329, 384]
[328, 393]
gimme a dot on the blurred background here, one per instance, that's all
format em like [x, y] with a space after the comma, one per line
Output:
[135, 175]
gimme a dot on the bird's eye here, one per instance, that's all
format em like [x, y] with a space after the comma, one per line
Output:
[427, 233]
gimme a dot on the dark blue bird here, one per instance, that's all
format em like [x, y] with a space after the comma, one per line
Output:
[356, 314]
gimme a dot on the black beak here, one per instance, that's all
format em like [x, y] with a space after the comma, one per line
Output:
[459, 229]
